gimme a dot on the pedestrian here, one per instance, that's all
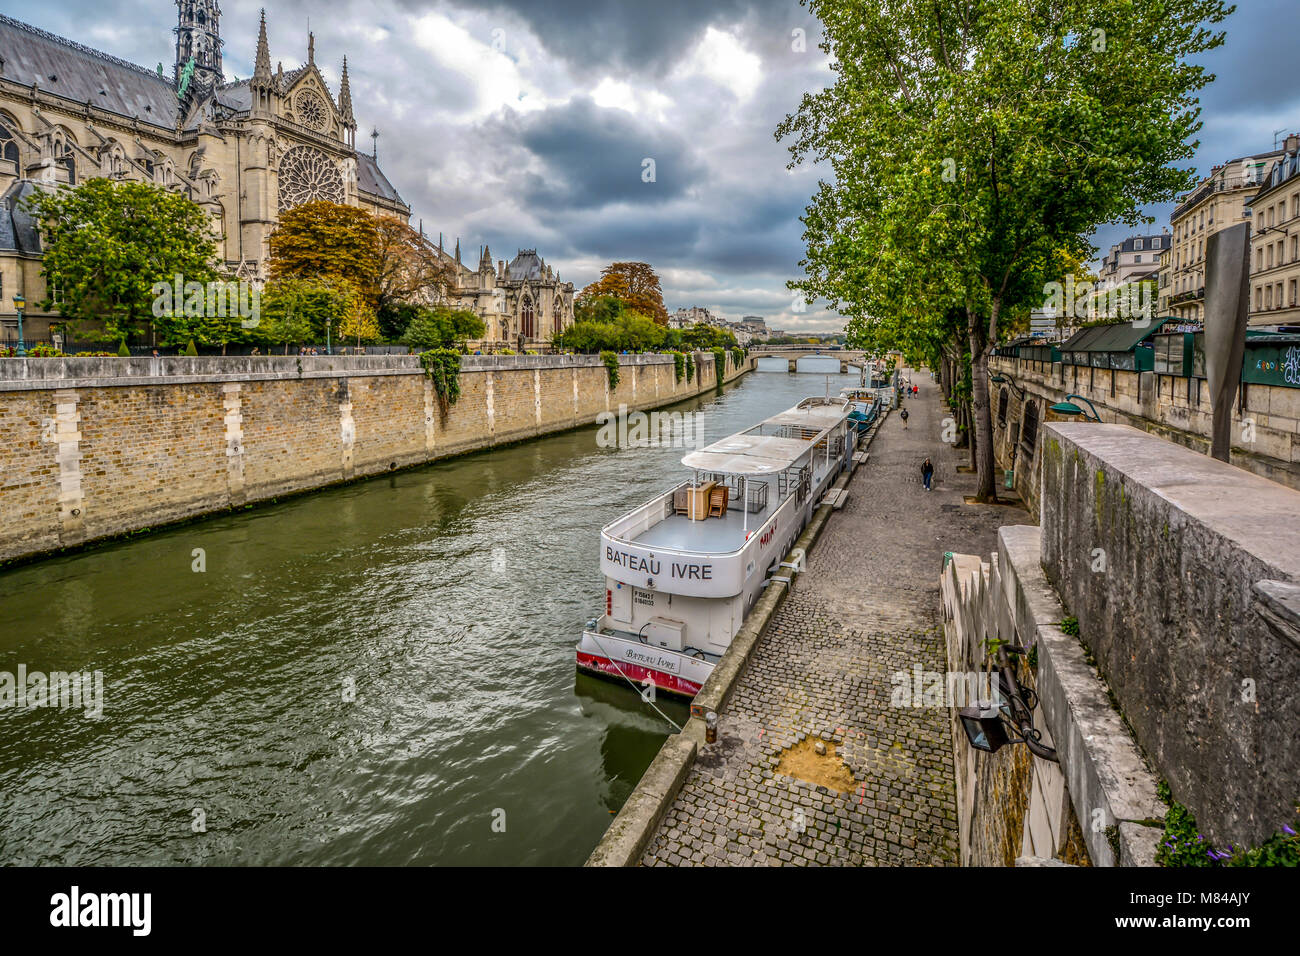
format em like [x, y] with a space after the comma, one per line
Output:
[903, 414]
[927, 472]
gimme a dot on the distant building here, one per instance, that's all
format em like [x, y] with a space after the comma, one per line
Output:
[685, 318]
[1222, 199]
[521, 304]
[1134, 259]
[1275, 242]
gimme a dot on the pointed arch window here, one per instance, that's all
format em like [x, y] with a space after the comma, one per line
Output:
[8, 143]
[526, 319]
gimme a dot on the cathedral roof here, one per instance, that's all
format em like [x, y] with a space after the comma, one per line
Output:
[84, 75]
[371, 180]
[526, 265]
[18, 230]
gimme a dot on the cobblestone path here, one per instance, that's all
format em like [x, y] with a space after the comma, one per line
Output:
[867, 608]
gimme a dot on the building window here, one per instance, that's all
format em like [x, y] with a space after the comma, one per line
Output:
[8, 147]
[1029, 430]
[526, 318]
[1137, 244]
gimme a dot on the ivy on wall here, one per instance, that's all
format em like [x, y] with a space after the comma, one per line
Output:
[611, 367]
[443, 368]
[679, 366]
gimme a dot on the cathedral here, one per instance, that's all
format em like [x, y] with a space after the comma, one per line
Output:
[244, 151]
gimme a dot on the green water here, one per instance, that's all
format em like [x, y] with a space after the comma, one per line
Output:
[447, 597]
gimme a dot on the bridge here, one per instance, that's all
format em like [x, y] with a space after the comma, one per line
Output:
[848, 358]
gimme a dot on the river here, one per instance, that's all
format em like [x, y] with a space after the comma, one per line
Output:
[379, 673]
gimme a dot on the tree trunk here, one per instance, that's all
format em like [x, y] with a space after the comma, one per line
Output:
[982, 445]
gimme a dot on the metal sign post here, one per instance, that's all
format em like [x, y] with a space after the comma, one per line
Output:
[1227, 293]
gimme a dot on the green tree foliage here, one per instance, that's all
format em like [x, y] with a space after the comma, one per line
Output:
[299, 310]
[970, 140]
[441, 328]
[107, 243]
[627, 331]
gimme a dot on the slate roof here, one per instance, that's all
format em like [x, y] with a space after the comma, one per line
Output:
[371, 180]
[18, 230]
[81, 74]
[526, 265]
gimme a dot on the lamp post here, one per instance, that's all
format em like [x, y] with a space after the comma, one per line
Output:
[19, 303]
[1069, 409]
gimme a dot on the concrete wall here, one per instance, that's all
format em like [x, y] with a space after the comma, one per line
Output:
[1265, 433]
[1182, 572]
[91, 448]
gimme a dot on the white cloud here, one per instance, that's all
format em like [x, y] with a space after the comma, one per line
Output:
[721, 57]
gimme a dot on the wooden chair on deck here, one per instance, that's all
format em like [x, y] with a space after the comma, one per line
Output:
[718, 501]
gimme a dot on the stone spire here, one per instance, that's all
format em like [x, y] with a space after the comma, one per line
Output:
[345, 98]
[457, 250]
[485, 260]
[311, 48]
[262, 62]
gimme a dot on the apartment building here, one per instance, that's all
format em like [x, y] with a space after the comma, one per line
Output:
[1275, 242]
[1222, 199]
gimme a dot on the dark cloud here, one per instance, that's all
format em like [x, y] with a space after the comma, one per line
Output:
[541, 163]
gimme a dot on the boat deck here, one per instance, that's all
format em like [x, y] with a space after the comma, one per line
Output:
[707, 535]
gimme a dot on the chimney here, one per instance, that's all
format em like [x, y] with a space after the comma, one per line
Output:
[1292, 143]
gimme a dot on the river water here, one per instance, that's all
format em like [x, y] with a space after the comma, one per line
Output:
[380, 673]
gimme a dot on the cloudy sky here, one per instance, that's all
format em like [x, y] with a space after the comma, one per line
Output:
[523, 123]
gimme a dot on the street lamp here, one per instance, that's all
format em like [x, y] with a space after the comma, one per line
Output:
[19, 303]
[1069, 409]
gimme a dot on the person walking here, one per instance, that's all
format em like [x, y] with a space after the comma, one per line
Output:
[903, 415]
[927, 472]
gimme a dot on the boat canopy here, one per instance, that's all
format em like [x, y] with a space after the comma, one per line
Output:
[735, 464]
[820, 417]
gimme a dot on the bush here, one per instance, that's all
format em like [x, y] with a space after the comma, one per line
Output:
[122, 350]
[611, 367]
[443, 368]
[190, 349]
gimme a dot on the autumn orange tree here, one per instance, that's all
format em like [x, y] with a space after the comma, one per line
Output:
[408, 267]
[328, 241]
[635, 284]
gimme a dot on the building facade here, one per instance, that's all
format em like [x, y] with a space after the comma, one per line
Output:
[1135, 259]
[522, 304]
[243, 151]
[1275, 242]
[1222, 199]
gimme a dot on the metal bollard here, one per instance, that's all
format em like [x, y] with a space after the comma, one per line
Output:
[710, 728]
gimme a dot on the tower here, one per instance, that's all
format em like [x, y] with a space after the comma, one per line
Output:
[198, 48]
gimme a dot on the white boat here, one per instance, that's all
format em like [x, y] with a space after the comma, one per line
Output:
[683, 570]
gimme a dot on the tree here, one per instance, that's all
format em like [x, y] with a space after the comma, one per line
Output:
[108, 243]
[442, 328]
[408, 268]
[298, 310]
[970, 140]
[635, 284]
[330, 241]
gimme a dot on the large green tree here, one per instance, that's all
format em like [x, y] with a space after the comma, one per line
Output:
[107, 243]
[971, 139]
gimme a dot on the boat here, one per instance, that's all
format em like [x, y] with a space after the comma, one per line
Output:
[683, 570]
[866, 404]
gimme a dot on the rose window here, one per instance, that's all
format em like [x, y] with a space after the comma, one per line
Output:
[307, 175]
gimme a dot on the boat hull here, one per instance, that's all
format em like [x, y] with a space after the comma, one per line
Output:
[607, 655]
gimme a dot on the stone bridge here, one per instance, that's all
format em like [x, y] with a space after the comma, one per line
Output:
[848, 358]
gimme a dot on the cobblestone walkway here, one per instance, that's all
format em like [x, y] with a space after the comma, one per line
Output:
[868, 608]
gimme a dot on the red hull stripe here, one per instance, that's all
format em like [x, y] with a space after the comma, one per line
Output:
[667, 682]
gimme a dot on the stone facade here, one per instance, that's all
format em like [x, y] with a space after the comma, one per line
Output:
[522, 304]
[244, 151]
[98, 447]
[1275, 242]
[1265, 434]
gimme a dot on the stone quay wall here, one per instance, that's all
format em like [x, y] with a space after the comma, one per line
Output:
[1182, 574]
[1265, 432]
[91, 448]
